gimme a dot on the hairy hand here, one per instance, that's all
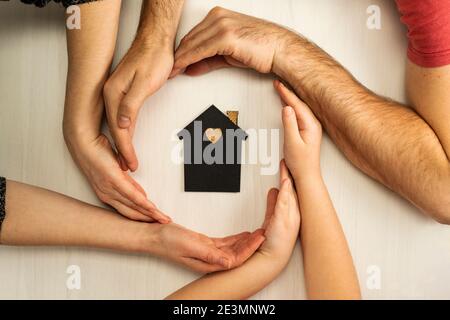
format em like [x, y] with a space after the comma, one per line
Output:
[229, 39]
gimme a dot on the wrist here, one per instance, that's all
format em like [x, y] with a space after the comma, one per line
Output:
[77, 136]
[83, 127]
[159, 22]
[145, 238]
[276, 259]
[151, 36]
[283, 55]
[79, 140]
[307, 179]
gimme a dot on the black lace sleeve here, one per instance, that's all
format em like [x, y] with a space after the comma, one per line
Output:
[65, 3]
[2, 200]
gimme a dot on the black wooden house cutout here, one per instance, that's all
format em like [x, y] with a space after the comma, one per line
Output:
[212, 153]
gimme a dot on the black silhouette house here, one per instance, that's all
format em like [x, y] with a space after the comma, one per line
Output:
[212, 153]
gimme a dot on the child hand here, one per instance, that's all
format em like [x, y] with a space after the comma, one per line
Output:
[302, 135]
[282, 222]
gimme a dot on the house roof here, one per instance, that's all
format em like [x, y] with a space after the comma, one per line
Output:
[212, 118]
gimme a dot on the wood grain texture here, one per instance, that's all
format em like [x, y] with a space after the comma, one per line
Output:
[411, 251]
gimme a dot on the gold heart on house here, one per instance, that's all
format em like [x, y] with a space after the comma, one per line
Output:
[213, 134]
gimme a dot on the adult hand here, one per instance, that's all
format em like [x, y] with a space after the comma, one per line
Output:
[143, 70]
[202, 253]
[230, 39]
[282, 221]
[302, 135]
[98, 161]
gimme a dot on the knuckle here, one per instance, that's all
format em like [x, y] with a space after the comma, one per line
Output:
[217, 11]
[103, 187]
[153, 83]
[224, 23]
[228, 35]
[185, 39]
[198, 50]
[103, 197]
[126, 105]
[283, 202]
[103, 141]
[108, 87]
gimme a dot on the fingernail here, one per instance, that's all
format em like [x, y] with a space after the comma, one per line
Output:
[288, 111]
[132, 165]
[124, 122]
[167, 220]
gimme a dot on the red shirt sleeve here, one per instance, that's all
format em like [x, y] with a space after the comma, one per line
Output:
[428, 23]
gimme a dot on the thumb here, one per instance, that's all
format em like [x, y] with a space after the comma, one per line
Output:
[282, 204]
[291, 130]
[132, 102]
[272, 196]
[207, 65]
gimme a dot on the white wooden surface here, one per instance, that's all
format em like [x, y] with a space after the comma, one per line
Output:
[411, 251]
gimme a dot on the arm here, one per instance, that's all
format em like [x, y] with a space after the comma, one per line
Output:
[282, 224]
[143, 70]
[237, 284]
[427, 90]
[328, 264]
[36, 216]
[90, 52]
[404, 149]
